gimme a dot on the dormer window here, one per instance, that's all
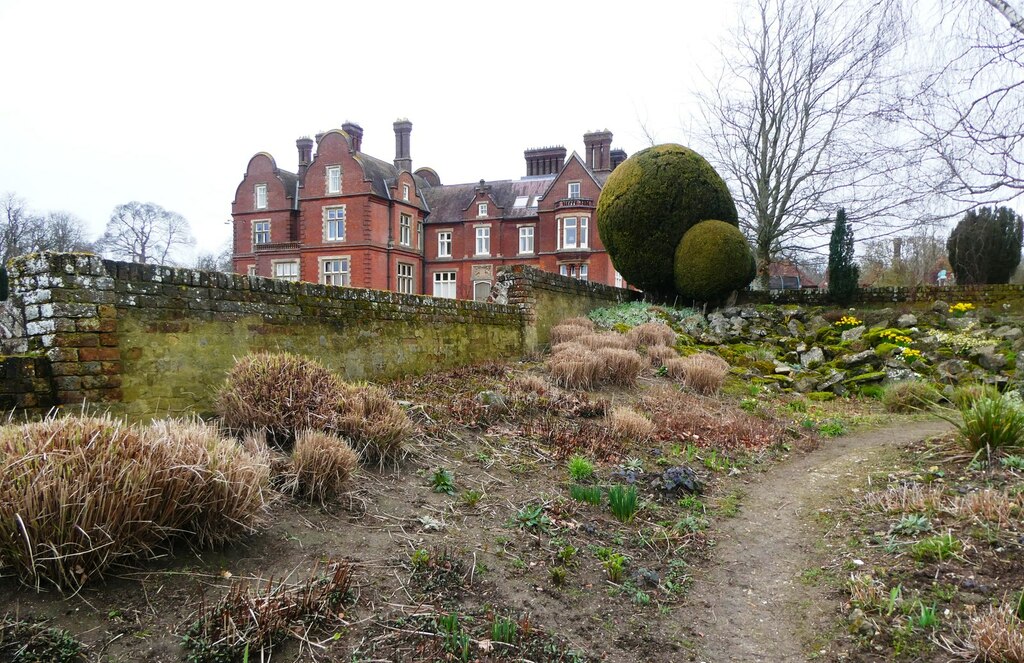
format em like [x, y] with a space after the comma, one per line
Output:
[334, 179]
[521, 201]
[261, 196]
[481, 209]
[574, 190]
[405, 192]
[535, 202]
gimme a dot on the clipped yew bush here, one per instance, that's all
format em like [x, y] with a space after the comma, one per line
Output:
[80, 494]
[712, 260]
[322, 464]
[281, 393]
[647, 205]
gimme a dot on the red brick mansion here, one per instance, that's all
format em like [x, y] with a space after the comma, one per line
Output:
[347, 218]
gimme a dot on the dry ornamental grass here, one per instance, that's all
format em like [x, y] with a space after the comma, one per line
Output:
[650, 334]
[604, 340]
[998, 635]
[657, 355]
[629, 424]
[564, 332]
[81, 493]
[376, 426]
[618, 367]
[906, 498]
[322, 465]
[703, 372]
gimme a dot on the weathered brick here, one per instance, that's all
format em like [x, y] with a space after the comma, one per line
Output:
[99, 354]
[76, 340]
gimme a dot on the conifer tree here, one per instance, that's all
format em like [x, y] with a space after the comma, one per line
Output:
[843, 273]
[985, 246]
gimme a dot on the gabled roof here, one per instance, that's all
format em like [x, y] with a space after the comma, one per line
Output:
[383, 175]
[448, 202]
[574, 155]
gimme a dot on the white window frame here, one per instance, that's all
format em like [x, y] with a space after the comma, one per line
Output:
[333, 174]
[257, 232]
[535, 202]
[521, 202]
[583, 232]
[419, 236]
[293, 270]
[574, 190]
[444, 241]
[250, 270]
[481, 209]
[405, 229]
[260, 196]
[342, 277]
[443, 282]
[483, 241]
[618, 279]
[404, 278]
[334, 215]
[405, 192]
[583, 272]
[563, 270]
[527, 233]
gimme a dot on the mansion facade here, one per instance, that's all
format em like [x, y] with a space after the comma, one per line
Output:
[346, 218]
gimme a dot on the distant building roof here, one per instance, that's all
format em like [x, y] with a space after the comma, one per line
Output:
[787, 275]
[449, 201]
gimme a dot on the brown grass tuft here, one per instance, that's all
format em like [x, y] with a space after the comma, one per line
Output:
[604, 340]
[531, 384]
[703, 372]
[629, 424]
[567, 332]
[279, 392]
[618, 367]
[78, 493]
[998, 635]
[651, 333]
[659, 354]
[574, 371]
[707, 422]
[995, 506]
[571, 347]
[376, 426]
[578, 322]
[904, 498]
[322, 464]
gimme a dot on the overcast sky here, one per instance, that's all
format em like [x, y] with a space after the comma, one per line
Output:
[107, 102]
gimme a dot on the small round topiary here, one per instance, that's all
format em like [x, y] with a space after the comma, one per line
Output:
[648, 204]
[712, 260]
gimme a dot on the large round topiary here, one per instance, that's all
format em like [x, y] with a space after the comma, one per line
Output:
[648, 204]
[712, 260]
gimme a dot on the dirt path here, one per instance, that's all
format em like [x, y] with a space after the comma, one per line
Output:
[751, 604]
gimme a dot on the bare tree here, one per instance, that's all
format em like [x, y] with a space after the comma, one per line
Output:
[908, 260]
[216, 262]
[146, 233]
[798, 121]
[62, 231]
[20, 230]
[969, 111]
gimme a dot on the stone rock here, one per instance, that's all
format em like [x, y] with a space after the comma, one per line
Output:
[986, 315]
[783, 369]
[989, 359]
[854, 334]
[899, 374]
[859, 359]
[907, 320]
[812, 358]
[1008, 333]
[950, 370]
[816, 324]
[940, 306]
[960, 323]
[493, 400]
[831, 381]
[795, 328]
[804, 384]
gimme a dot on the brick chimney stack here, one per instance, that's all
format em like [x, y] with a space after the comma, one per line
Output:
[544, 160]
[618, 156]
[305, 146]
[599, 146]
[403, 161]
[355, 135]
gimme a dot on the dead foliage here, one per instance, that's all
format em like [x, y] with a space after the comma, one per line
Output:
[629, 424]
[78, 493]
[703, 372]
[998, 635]
[994, 506]
[618, 367]
[595, 341]
[707, 422]
[657, 355]
[906, 498]
[575, 371]
[376, 426]
[322, 465]
[579, 321]
[564, 332]
[651, 333]
[563, 438]
[255, 616]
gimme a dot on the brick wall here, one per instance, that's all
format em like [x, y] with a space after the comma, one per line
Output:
[152, 341]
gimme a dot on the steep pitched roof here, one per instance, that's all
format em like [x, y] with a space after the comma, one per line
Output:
[448, 202]
[383, 175]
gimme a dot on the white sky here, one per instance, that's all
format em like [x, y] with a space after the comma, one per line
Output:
[106, 102]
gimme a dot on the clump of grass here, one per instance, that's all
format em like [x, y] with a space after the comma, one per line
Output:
[588, 494]
[78, 493]
[906, 498]
[574, 370]
[281, 393]
[533, 384]
[965, 396]
[443, 481]
[253, 618]
[998, 634]
[580, 468]
[322, 464]
[619, 367]
[629, 424]
[992, 425]
[598, 340]
[651, 334]
[376, 426]
[657, 355]
[989, 505]
[623, 502]
[910, 396]
[936, 548]
[703, 372]
[866, 592]
[34, 642]
[832, 428]
[570, 330]
[503, 629]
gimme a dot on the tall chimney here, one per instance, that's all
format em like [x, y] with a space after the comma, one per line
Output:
[599, 146]
[544, 160]
[897, 251]
[618, 156]
[355, 135]
[305, 146]
[403, 161]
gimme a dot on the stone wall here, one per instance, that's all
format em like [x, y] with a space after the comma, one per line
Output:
[1010, 296]
[152, 341]
[26, 385]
